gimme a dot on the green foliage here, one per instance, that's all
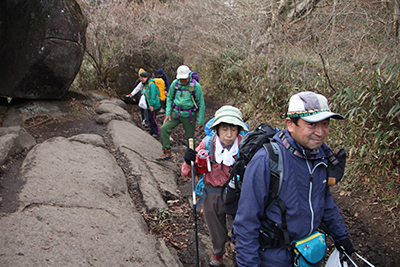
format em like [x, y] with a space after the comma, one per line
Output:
[371, 105]
[369, 99]
[86, 77]
[165, 58]
[162, 216]
[226, 69]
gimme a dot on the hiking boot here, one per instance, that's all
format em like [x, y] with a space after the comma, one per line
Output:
[216, 260]
[166, 155]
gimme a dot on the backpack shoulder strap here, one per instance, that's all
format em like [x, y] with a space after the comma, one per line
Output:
[192, 86]
[157, 91]
[210, 146]
[151, 83]
[276, 170]
[176, 87]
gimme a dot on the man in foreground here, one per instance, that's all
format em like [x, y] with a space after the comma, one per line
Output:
[304, 191]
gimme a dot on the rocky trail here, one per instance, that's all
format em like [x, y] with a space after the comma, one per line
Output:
[372, 232]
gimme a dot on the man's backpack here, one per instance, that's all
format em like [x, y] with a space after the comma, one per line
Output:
[161, 88]
[250, 144]
[261, 137]
[195, 76]
[192, 85]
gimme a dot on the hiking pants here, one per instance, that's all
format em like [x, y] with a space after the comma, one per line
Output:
[216, 220]
[145, 115]
[154, 128]
[169, 125]
[143, 112]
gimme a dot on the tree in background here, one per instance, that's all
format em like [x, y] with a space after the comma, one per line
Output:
[133, 32]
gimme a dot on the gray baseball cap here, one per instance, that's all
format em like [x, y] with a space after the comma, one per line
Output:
[311, 107]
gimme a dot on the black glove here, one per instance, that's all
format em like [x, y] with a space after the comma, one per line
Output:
[190, 155]
[345, 245]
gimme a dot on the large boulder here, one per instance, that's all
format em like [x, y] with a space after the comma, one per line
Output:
[126, 77]
[41, 48]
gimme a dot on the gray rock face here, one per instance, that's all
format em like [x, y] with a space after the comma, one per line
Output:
[154, 176]
[76, 211]
[42, 44]
[126, 77]
[110, 110]
[17, 115]
[13, 140]
[74, 206]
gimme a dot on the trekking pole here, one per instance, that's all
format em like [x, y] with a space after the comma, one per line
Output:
[191, 145]
[344, 252]
[364, 260]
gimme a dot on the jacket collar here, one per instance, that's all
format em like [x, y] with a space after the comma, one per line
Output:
[294, 147]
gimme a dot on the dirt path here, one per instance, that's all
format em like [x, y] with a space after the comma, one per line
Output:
[371, 232]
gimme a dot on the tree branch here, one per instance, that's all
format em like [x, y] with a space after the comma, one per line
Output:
[326, 73]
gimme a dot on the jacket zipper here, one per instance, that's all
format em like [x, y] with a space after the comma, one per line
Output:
[311, 171]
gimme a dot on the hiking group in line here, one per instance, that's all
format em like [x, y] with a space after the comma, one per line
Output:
[282, 223]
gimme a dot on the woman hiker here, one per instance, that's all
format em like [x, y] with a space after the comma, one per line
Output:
[150, 91]
[135, 95]
[227, 124]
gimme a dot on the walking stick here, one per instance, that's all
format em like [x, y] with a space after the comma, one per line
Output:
[364, 260]
[347, 255]
[191, 145]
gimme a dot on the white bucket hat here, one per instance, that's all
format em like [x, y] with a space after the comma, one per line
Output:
[182, 72]
[311, 107]
[230, 115]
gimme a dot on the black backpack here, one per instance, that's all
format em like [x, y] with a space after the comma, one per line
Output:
[250, 144]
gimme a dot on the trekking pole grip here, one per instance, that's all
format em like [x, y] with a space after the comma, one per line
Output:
[191, 143]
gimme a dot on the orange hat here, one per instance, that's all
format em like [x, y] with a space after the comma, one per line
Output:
[140, 71]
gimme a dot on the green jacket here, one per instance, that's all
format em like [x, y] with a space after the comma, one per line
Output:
[186, 101]
[150, 91]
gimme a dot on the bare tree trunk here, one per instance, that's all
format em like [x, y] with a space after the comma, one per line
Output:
[291, 10]
[396, 17]
[266, 33]
[264, 38]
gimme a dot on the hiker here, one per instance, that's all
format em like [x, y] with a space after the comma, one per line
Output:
[150, 91]
[224, 149]
[161, 74]
[209, 132]
[304, 191]
[135, 95]
[185, 104]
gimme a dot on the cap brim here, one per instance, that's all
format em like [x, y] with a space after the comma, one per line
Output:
[231, 120]
[182, 76]
[322, 116]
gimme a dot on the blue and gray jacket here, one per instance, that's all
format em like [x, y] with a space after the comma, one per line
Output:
[304, 192]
